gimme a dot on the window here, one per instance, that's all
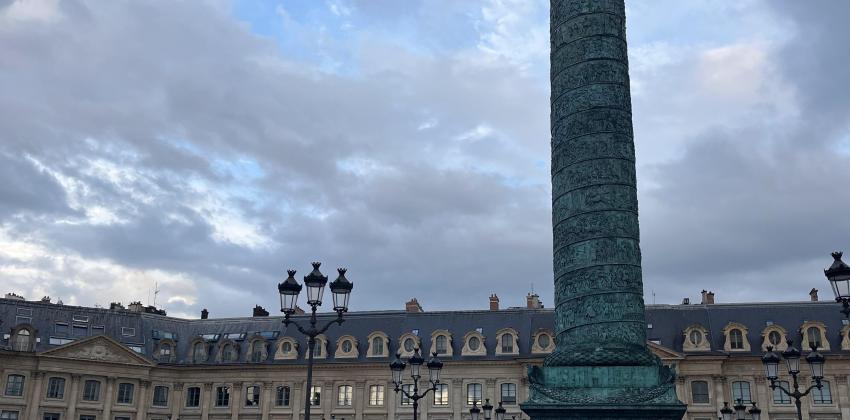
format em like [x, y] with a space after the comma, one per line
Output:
[24, 311]
[53, 341]
[165, 351]
[473, 393]
[61, 328]
[543, 341]
[736, 339]
[91, 390]
[252, 396]
[409, 344]
[286, 347]
[128, 332]
[229, 354]
[222, 396]
[23, 320]
[699, 392]
[193, 396]
[80, 330]
[199, 352]
[56, 388]
[282, 396]
[137, 349]
[97, 329]
[823, 395]
[269, 335]
[50, 416]
[8, 415]
[343, 397]
[376, 394]
[408, 388]
[814, 337]
[160, 396]
[441, 394]
[507, 343]
[741, 391]
[87, 417]
[378, 346]
[780, 397]
[235, 336]
[316, 392]
[122, 418]
[125, 393]
[317, 348]
[257, 349]
[22, 340]
[15, 385]
[508, 394]
[774, 338]
[474, 343]
[346, 346]
[80, 318]
[442, 344]
[695, 337]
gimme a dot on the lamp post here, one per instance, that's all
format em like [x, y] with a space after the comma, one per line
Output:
[740, 411]
[838, 275]
[315, 282]
[792, 359]
[415, 362]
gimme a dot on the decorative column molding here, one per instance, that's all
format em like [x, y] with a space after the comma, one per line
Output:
[142, 401]
[457, 400]
[73, 396]
[108, 398]
[176, 401]
[266, 400]
[206, 400]
[236, 400]
[391, 400]
[35, 394]
[360, 395]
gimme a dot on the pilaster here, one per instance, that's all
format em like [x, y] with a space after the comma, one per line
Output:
[296, 398]
[176, 400]
[456, 398]
[206, 400]
[842, 396]
[142, 401]
[360, 397]
[108, 398]
[73, 397]
[236, 400]
[266, 400]
[35, 394]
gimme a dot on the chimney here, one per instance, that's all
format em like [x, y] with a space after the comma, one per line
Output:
[686, 301]
[14, 296]
[116, 306]
[494, 302]
[532, 301]
[260, 311]
[135, 307]
[205, 314]
[707, 298]
[813, 294]
[413, 306]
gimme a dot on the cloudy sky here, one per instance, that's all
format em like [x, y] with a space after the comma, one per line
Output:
[207, 146]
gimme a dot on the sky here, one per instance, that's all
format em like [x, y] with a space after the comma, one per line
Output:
[201, 148]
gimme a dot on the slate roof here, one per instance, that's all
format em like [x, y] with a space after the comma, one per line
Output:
[667, 324]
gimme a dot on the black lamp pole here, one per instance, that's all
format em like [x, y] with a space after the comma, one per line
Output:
[415, 361]
[792, 358]
[315, 282]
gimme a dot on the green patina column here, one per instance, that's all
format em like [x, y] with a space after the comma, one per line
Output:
[601, 367]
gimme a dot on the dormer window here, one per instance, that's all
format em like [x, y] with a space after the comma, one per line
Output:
[736, 337]
[199, 352]
[774, 336]
[506, 342]
[258, 350]
[346, 347]
[473, 344]
[319, 349]
[378, 344]
[229, 353]
[409, 345]
[814, 334]
[814, 338]
[441, 343]
[286, 349]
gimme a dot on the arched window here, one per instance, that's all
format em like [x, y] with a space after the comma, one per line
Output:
[774, 338]
[695, 337]
[736, 339]
[258, 351]
[378, 346]
[442, 344]
[317, 348]
[229, 353]
[344, 395]
[199, 352]
[814, 337]
[409, 345]
[22, 341]
[507, 343]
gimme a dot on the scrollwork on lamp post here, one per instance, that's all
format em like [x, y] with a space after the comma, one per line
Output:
[415, 362]
[315, 282]
[791, 355]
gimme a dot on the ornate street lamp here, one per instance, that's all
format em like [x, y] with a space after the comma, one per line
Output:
[474, 412]
[415, 362]
[315, 283]
[838, 275]
[740, 411]
[488, 409]
[500, 412]
[791, 355]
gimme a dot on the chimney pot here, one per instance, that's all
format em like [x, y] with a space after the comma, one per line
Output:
[686, 301]
[532, 301]
[813, 294]
[413, 306]
[494, 302]
[205, 314]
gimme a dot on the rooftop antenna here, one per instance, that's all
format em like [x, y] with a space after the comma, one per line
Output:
[155, 292]
[653, 297]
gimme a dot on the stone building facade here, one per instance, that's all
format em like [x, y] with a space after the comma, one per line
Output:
[60, 362]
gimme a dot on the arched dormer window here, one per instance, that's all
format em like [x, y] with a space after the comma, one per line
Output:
[814, 333]
[257, 350]
[507, 342]
[166, 351]
[320, 348]
[200, 350]
[845, 338]
[736, 337]
[542, 342]
[228, 352]
[441, 343]
[23, 338]
[408, 343]
[473, 344]
[774, 336]
[346, 348]
[286, 348]
[696, 339]
[379, 345]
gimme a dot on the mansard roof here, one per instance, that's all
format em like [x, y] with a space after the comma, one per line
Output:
[665, 324]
